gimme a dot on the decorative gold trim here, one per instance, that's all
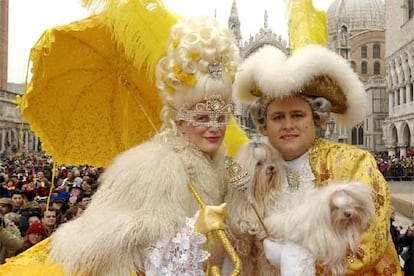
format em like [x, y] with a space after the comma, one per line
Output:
[222, 236]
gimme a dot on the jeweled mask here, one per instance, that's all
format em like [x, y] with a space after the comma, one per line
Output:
[213, 112]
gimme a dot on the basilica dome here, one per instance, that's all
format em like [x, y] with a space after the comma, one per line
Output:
[356, 15]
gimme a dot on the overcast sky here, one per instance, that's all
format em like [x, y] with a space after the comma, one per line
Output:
[29, 18]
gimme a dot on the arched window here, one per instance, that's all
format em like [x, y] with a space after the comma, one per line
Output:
[364, 52]
[360, 135]
[376, 51]
[344, 35]
[357, 135]
[364, 67]
[354, 136]
[377, 68]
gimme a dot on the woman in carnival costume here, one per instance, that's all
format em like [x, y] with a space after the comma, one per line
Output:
[290, 97]
[144, 213]
[159, 201]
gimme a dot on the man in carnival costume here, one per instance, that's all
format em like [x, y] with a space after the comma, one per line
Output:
[158, 202]
[290, 97]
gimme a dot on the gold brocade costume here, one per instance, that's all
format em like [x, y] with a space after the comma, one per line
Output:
[34, 261]
[332, 161]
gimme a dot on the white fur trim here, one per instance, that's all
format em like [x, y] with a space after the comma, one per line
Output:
[277, 75]
[143, 197]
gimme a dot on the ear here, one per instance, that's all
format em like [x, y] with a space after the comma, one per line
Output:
[263, 130]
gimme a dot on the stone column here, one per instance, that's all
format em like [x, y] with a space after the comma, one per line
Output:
[408, 91]
[15, 140]
[2, 140]
[390, 148]
[401, 89]
[29, 141]
[391, 103]
[403, 149]
[26, 141]
[396, 101]
[9, 137]
[36, 144]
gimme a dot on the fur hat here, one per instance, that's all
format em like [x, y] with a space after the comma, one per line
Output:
[37, 228]
[200, 62]
[312, 70]
[6, 201]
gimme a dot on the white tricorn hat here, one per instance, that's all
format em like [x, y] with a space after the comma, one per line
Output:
[311, 70]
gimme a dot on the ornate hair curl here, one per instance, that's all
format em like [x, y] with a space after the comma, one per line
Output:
[321, 108]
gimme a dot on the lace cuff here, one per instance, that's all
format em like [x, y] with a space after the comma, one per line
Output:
[296, 261]
[178, 255]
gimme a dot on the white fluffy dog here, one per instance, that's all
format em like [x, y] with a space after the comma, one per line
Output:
[245, 229]
[326, 221]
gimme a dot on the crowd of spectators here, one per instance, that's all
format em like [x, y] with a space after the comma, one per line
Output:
[396, 168]
[36, 197]
[28, 184]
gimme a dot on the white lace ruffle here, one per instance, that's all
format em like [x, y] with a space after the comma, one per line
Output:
[303, 170]
[179, 255]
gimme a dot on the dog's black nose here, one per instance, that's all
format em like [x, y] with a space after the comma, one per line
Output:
[347, 214]
[270, 169]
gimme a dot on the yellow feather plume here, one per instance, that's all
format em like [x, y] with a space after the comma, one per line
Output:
[140, 27]
[234, 138]
[306, 25]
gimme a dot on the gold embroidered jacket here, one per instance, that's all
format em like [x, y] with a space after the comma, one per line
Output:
[341, 162]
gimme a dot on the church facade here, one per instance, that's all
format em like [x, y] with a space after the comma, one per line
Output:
[399, 125]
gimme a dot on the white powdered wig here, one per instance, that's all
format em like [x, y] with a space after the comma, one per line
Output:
[271, 73]
[196, 47]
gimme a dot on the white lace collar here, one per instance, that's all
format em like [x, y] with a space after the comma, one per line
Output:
[299, 175]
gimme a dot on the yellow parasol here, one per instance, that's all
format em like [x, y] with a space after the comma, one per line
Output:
[86, 101]
[92, 92]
